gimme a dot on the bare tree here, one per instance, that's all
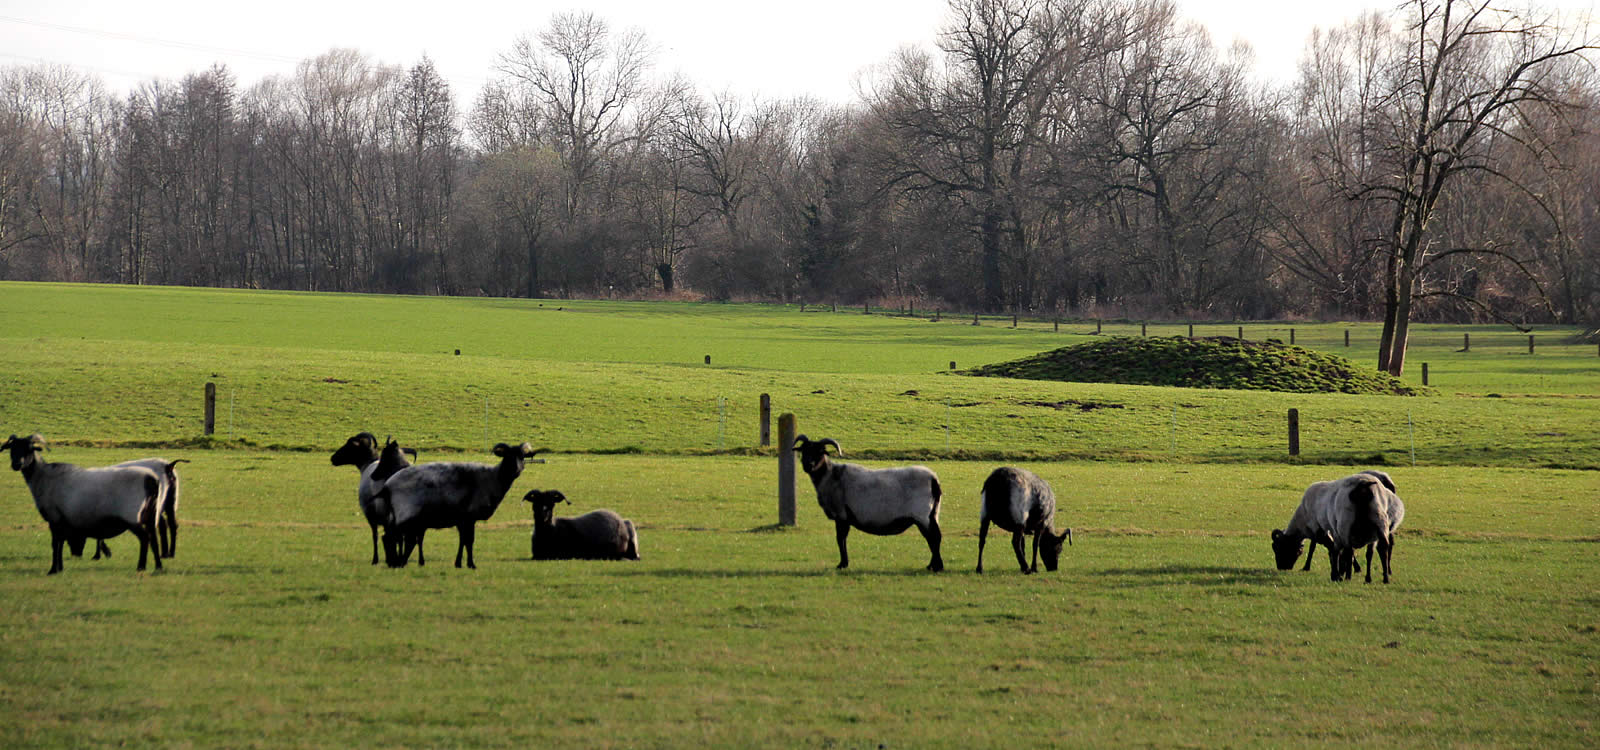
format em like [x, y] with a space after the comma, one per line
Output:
[964, 129]
[586, 78]
[1469, 75]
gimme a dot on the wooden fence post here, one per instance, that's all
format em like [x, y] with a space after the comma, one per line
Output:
[211, 408]
[1347, 338]
[1291, 337]
[1144, 328]
[1466, 342]
[786, 435]
[1191, 330]
[766, 420]
[974, 318]
[1241, 333]
[1097, 327]
[1424, 373]
[1058, 325]
[1294, 432]
[1530, 343]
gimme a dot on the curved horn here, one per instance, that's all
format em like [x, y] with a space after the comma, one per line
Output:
[830, 441]
[37, 441]
[800, 440]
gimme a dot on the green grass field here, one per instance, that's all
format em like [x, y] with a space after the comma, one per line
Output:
[1166, 625]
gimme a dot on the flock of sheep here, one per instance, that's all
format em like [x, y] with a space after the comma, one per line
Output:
[402, 500]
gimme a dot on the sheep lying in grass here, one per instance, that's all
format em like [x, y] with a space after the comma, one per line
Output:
[361, 451]
[877, 501]
[1020, 502]
[439, 495]
[596, 535]
[88, 503]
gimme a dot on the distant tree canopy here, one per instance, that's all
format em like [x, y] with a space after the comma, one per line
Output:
[1438, 161]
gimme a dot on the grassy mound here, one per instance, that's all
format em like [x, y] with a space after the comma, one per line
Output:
[1219, 362]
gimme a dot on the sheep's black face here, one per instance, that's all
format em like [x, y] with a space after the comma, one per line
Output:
[21, 451]
[1286, 548]
[813, 453]
[1050, 548]
[357, 450]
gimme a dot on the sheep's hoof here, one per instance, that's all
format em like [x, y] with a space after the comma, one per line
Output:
[936, 566]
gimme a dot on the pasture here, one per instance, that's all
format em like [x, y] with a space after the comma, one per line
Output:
[1166, 625]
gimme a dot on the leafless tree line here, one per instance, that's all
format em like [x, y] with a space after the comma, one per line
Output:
[1435, 161]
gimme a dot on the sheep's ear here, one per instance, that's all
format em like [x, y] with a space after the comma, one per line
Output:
[1277, 534]
[501, 449]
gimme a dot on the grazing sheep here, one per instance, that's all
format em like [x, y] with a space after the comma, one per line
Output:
[877, 501]
[167, 514]
[1322, 518]
[439, 495]
[1369, 517]
[80, 503]
[1020, 502]
[596, 535]
[361, 451]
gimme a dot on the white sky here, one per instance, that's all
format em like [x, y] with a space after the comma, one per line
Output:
[771, 49]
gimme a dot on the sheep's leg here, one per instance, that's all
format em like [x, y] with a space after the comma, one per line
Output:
[144, 546]
[983, 535]
[169, 546]
[421, 559]
[466, 533]
[1311, 552]
[393, 548]
[1019, 547]
[374, 543]
[1369, 562]
[1385, 554]
[932, 534]
[841, 529]
[101, 550]
[57, 539]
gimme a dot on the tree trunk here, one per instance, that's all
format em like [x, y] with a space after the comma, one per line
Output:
[665, 271]
[1402, 322]
[993, 286]
[1391, 305]
[533, 265]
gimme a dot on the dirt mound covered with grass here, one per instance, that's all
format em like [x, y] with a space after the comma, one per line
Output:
[1219, 362]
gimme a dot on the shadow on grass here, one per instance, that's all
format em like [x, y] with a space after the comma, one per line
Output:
[1205, 575]
[680, 573]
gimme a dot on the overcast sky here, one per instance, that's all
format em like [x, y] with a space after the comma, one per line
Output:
[773, 49]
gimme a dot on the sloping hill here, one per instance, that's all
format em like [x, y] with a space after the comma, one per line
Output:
[1218, 362]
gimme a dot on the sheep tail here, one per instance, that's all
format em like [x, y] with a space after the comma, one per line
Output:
[998, 486]
[153, 494]
[938, 493]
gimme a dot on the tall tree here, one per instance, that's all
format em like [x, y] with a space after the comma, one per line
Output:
[1467, 76]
